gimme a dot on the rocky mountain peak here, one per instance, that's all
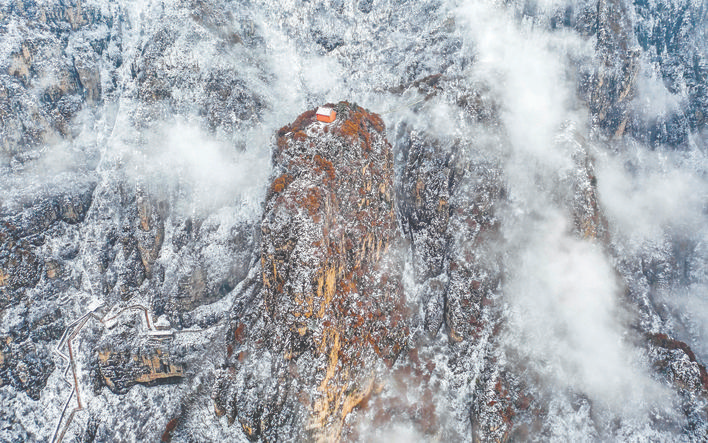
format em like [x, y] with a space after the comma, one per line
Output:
[332, 289]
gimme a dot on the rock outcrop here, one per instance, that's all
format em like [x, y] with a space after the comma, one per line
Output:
[123, 369]
[334, 309]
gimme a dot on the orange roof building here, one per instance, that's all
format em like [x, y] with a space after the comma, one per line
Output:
[326, 115]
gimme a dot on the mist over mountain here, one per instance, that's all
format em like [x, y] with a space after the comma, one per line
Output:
[501, 236]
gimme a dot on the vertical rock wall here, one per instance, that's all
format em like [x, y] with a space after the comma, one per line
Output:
[332, 289]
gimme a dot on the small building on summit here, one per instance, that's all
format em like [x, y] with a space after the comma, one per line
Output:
[162, 324]
[326, 115]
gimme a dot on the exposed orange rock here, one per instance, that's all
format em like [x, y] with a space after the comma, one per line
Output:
[329, 273]
[122, 370]
[670, 344]
[169, 429]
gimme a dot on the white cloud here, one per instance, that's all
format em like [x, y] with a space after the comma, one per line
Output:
[207, 173]
[651, 198]
[566, 317]
[562, 291]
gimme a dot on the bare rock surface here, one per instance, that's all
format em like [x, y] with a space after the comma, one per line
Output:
[334, 310]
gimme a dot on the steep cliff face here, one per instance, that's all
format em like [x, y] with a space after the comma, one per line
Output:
[335, 311]
[341, 176]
